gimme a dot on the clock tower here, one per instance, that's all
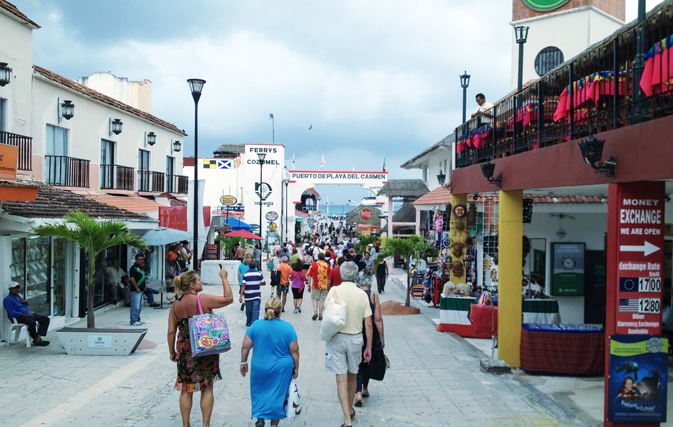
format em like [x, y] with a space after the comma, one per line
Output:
[559, 30]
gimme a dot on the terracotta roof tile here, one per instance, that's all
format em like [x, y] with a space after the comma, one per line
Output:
[52, 202]
[544, 199]
[139, 205]
[16, 12]
[90, 93]
[438, 196]
[17, 184]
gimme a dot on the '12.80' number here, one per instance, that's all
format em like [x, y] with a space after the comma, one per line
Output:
[648, 305]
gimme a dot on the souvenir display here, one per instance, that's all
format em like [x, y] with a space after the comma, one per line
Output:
[459, 211]
[472, 215]
[460, 226]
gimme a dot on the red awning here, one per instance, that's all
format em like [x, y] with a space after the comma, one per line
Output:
[244, 234]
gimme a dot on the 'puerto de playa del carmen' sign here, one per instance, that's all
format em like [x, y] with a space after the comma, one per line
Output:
[545, 5]
[338, 176]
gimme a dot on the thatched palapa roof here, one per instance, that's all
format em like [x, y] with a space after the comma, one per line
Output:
[353, 215]
[410, 189]
[229, 150]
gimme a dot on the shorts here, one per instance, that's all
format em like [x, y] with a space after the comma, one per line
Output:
[343, 353]
[296, 294]
[319, 294]
[283, 288]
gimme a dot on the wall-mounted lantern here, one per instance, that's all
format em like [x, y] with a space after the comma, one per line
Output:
[115, 126]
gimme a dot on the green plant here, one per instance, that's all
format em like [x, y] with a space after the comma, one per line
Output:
[228, 243]
[409, 247]
[364, 242]
[92, 237]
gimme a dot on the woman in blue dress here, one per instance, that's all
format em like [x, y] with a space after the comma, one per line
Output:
[275, 362]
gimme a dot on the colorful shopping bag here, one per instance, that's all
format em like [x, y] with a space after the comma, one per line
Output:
[208, 333]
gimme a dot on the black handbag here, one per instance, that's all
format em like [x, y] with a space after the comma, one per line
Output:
[376, 368]
[275, 278]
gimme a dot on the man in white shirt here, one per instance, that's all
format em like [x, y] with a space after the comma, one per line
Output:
[113, 277]
[483, 110]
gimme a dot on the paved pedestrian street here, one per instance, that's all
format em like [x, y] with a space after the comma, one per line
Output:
[434, 380]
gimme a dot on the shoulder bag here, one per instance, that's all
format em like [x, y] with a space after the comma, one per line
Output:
[208, 333]
[334, 317]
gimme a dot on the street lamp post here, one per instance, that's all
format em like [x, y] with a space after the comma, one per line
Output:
[273, 128]
[287, 181]
[465, 83]
[261, 157]
[521, 37]
[196, 86]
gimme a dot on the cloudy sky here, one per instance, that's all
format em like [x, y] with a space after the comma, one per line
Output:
[375, 78]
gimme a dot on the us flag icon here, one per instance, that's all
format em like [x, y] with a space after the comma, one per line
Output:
[628, 305]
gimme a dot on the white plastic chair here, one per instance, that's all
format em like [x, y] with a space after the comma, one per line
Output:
[16, 331]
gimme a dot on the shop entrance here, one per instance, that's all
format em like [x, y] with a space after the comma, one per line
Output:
[594, 287]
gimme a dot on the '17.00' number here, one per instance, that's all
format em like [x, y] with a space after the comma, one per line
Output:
[647, 284]
[648, 305]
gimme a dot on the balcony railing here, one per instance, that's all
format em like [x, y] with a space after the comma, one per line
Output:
[116, 177]
[25, 144]
[177, 184]
[593, 92]
[63, 171]
[151, 181]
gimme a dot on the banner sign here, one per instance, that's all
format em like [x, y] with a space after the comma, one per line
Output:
[8, 162]
[641, 257]
[638, 379]
[271, 216]
[567, 278]
[337, 177]
[211, 252]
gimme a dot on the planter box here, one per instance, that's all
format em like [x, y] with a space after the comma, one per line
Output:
[100, 342]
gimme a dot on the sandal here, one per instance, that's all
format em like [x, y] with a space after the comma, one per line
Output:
[358, 403]
[365, 394]
[353, 415]
[344, 425]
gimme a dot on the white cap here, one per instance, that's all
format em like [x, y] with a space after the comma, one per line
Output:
[13, 285]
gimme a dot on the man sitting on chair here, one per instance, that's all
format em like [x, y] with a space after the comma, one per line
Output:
[17, 308]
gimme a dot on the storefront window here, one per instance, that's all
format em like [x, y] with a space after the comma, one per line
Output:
[18, 266]
[37, 287]
[59, 276]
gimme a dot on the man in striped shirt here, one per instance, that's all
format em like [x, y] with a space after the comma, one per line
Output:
[251, 292]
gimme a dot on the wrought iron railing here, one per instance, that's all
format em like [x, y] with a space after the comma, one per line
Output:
[63, 171]
[25, 145]
[151, 181]
[593, 92]
[177, 184]
[116, 177]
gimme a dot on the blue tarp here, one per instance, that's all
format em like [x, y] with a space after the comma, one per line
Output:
[237, 224]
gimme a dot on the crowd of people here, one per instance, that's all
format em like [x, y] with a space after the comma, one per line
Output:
[328, 271]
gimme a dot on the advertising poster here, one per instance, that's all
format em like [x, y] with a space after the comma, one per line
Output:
[567, 278]
[638, 379]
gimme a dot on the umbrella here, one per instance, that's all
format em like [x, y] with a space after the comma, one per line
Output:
[244, 234]
[161, 236]
[237, 224]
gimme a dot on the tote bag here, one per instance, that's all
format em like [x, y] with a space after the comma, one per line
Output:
[334, 318]
[208, 333]
[293, 400]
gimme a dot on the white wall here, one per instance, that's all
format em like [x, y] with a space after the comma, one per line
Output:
[571, 31]
[90, 125]
[17, 51]
[588, 228]
[219, 182]
[135, 94]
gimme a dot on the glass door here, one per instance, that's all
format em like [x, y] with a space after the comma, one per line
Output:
[107, 155]
[170, 170]
[143, 170]
[57, 155]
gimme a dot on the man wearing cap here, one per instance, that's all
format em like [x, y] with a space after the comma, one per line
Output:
[17, 308]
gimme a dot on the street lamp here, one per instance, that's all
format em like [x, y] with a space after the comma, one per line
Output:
[196, 86]
[287, 181]
[261, 157]
[521, 37]
[592, 152]
[487, 169]
[273, 128]
[464, 83]
[441, 178]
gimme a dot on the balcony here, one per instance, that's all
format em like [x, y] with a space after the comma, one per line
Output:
[592, 93]
[116, 177]
[63, 171]
[177, 184]
[25, 144]
[151, 181]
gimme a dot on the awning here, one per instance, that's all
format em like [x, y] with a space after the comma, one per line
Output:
[237, 224]
[436, 199]
[17, 192]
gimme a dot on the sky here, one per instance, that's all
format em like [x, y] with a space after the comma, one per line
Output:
[373, 78]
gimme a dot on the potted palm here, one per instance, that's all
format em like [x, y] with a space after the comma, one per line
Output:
[407, 247]
[93, 237]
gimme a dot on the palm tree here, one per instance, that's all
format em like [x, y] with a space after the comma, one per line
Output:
[228, 243]
[93, 237]
[408, 247]
[363, 243]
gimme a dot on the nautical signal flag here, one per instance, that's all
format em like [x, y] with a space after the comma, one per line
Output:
[628, 284]
[221, 164]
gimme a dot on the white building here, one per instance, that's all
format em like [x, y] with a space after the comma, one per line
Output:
[101, 156]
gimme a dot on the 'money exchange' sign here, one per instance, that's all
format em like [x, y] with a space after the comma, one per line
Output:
[641, 256]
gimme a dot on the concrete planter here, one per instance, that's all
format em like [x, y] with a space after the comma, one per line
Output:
[100, 342]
